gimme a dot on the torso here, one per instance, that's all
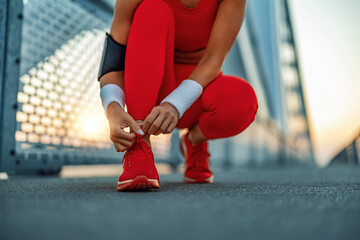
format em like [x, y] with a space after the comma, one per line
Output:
[193, 22]
[190, 3]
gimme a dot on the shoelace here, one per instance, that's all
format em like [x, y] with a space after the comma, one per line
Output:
[130, 153]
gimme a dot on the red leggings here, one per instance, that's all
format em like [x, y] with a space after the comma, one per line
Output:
[228, 104]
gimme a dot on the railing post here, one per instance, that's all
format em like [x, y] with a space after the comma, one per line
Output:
[11, 17]
[355, 153]
[174, 158]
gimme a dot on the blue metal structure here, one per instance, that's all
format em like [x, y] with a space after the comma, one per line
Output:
[10, 32]
[51, 114]
[350, 155]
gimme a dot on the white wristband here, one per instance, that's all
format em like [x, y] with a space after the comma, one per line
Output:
[111, 93]
[184, 95]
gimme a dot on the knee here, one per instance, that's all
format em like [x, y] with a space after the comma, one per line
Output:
[245, 108]
[252, 103]
[249, 97]
[155, 11]
[235, 100]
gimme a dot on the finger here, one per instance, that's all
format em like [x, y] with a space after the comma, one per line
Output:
[120, 148]
[116, 147]
[149, 120]
[171, 126]
[134, 126]
[123, 142]
[165, 124]
[122, 134]
[156, 124]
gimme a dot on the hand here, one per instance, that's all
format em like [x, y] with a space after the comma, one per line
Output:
[118, 120]
[162, 119]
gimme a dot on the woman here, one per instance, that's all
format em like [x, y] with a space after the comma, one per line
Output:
[172, 78]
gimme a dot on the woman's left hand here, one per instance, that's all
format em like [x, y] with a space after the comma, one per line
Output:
[162, 119]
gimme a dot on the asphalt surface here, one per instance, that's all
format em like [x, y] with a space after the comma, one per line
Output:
[241, 204]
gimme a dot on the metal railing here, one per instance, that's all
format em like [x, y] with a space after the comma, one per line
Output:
[56, 105]
[349, 155]
[51, 114]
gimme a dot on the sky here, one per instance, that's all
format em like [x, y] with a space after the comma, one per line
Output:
[328, 40]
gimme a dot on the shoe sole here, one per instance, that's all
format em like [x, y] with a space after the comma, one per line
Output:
[139, 183]
[199, 180]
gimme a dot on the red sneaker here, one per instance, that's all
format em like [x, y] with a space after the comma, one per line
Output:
[197, 161]
[139, 168]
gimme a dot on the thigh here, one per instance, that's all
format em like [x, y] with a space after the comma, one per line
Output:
[191, 116]
[226, 100]
[227, 91]
[230, 105]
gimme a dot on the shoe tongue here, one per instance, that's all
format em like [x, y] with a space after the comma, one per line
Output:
[139, 143]
[142, 146]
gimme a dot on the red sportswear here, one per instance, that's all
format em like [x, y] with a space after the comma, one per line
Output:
[228, 104]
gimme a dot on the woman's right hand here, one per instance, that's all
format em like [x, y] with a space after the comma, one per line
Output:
[118, 120]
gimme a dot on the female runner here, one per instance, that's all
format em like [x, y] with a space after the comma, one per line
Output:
[172, 78]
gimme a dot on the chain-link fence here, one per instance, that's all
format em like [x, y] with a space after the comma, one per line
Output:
[59, 117]
[51, 113]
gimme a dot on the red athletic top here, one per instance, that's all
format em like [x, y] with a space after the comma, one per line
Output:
[193, 25]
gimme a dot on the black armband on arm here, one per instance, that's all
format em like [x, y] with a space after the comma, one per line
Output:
[113, 58]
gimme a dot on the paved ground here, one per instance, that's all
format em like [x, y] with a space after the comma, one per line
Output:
[241, 204]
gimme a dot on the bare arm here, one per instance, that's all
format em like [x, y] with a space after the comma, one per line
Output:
[227, 24]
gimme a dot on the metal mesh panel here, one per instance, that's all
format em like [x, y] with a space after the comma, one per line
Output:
[49, 24]
[60, 113]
